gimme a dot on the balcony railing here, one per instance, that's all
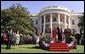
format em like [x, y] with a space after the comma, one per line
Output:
[54, 7]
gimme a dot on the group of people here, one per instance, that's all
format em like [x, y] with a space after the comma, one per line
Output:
[10, 37]
[57, 34]
[15, 38]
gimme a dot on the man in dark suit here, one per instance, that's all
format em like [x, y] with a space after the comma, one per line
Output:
[10, 38]
[59, 34]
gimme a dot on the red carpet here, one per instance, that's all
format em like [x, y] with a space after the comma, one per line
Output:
[59, 47]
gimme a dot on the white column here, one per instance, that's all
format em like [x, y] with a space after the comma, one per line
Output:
[59, 20]
[40, 24]
[65, 20]
[69, 23]
[51, 23]
[44, 26]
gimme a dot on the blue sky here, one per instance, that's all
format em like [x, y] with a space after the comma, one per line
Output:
[35, 6]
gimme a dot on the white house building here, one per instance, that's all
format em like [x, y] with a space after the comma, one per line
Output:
[56, 16]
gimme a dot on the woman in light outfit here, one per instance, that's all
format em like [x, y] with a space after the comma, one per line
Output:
[63, 36]
[17, 38]
[37, 39]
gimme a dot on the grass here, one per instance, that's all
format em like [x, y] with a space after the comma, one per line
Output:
[29, 48]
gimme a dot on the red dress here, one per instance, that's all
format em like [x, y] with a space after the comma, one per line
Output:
[5, 37]
[54, 33]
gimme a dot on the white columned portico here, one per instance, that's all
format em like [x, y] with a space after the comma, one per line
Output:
[51, 23]
[65, 20]
[59, 20]
[44, 25]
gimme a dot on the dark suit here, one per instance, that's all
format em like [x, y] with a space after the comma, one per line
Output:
[59, 35]
[10, 38]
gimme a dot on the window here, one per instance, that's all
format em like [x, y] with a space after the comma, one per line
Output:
[47, 19]
[61, 17]
[36, 21]
[48, 30]
[54, 19]
[67, 20]
[42, 19]
[73, 31]
[60, 20]
[72, 22]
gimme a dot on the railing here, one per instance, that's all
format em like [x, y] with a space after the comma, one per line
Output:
[54, 7]
[56, 22]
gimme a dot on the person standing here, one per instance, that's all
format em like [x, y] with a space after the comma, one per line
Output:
[5, 38]
[54, 33]
[37, 41]
[10, 37]
[17, 38]
[21, 39]
[63, 37]
[60, 34]
[81, 41]
[14, 40]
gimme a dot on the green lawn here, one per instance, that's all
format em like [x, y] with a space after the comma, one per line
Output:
[29, 48]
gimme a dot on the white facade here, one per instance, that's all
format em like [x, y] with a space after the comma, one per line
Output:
[56, 16]
[35, 18]
[76, 20]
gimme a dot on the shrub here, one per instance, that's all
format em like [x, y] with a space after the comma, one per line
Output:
[27, 40]
[43, 38]
[42, 45]
[31, 33]
[77, 36]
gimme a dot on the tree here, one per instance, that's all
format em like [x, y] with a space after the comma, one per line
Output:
[81, 22]
[17, 18]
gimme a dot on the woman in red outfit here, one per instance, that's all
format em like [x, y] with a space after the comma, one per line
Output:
[54, 33]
